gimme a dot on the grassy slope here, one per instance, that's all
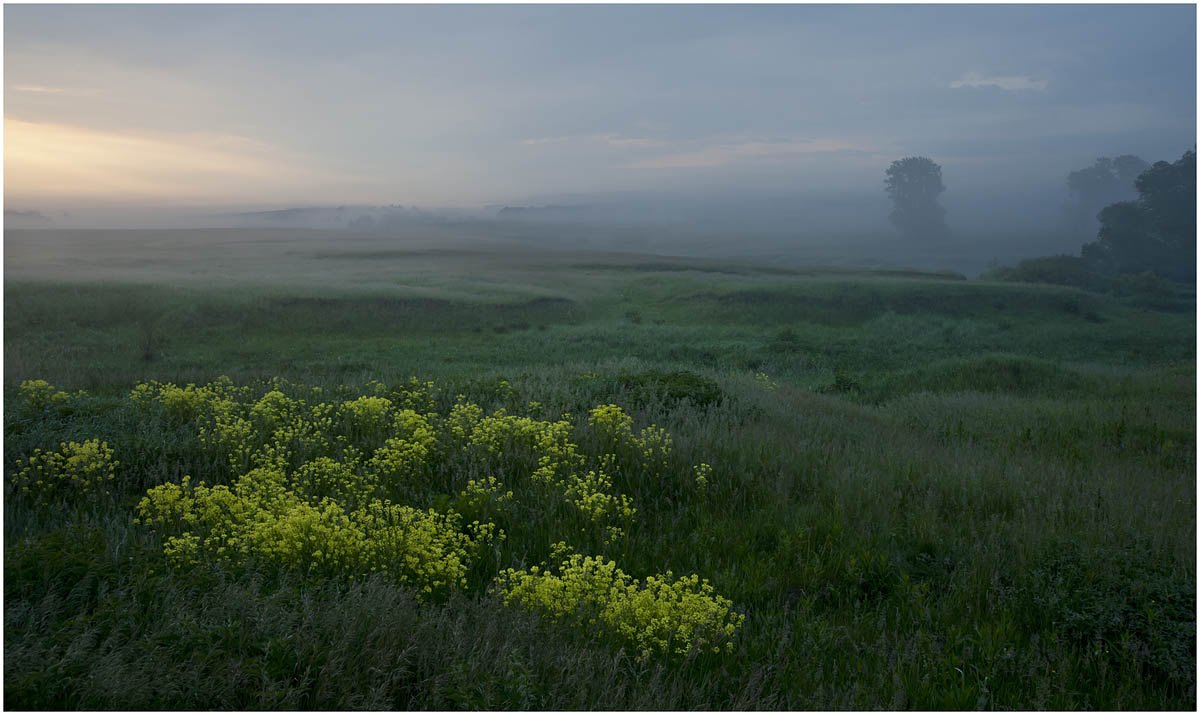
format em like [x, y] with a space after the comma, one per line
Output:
[957, 494]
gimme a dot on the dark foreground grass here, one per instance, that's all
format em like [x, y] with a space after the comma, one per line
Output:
[925, 493]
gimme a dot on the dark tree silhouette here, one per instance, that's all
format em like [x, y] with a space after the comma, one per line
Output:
[1168, 193]
[913, 184]
[1157, 232]
[1105, 182]
[1120, 246]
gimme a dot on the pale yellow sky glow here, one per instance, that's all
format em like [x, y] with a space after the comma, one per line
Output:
[38, 90]
[56, 160]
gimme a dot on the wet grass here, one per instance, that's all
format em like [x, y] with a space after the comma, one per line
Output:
[927, 493]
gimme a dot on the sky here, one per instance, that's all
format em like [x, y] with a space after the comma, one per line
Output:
[280, 105]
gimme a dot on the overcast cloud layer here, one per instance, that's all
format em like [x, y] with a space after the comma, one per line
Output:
[467, 105]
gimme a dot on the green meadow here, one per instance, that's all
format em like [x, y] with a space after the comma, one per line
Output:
[455, 471]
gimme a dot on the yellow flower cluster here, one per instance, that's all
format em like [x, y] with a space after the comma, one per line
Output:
[231, 435]
[264, 518]
[87, 468]
[39, 394]
[764, 380]
[308, 496]
[281, 429]
[313, 481]
[462, 419]
[189, 402]
[661, 614]
[589, 493]
[482, 493]
[402, 455]
[650, 449]
[326, 478]
[510, 436]
[414, 395]
[367, 416]
[703, 472]
[273, 410]
[559, 460]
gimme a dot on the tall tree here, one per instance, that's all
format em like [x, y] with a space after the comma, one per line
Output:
[914, 184]
[1105, 182]
[1157, 232]
[1168, 194]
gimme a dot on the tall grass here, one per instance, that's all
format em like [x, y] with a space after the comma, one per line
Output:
[993, 507]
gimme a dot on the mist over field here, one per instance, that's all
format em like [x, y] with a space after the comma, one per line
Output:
[762, 131]
[604, 357]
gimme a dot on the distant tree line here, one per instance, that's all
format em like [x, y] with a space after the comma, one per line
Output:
[1146, 235]
[1105, 182]
[1147, 216]
[1156, 232]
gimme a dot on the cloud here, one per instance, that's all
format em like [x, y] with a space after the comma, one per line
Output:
[57, 160]
[614, 140]
[618, 140]
[41, 89]
[729, 152]
[1009, 84]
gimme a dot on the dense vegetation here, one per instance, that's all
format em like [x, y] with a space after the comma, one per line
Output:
[1157, 232]
[605, 484]
[1142, 243]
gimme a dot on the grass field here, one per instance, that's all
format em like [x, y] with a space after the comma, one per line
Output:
[904, 489]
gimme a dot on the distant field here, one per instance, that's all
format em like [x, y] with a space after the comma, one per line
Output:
[254, 252]
[920, 491]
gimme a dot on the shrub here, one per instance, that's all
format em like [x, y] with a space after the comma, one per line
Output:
[1145, 284]
[675, 386]
[843, 383]
[1062, 270]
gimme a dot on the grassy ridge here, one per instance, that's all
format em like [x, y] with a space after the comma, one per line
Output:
[926, 494]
